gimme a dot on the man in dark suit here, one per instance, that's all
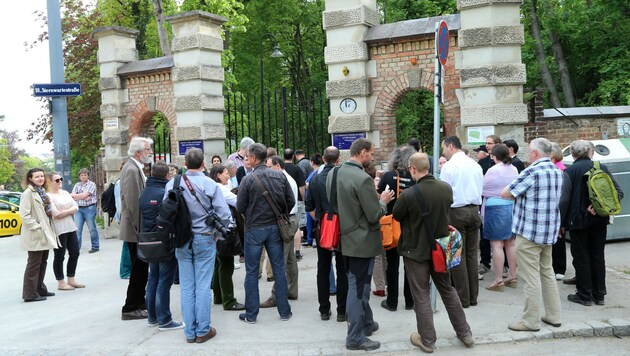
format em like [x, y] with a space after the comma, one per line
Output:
[415, 247]
[513, 147]
[360, 211]
[132, 183]
[483, 158]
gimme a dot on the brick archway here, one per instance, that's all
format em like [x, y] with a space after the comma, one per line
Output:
[141, 114]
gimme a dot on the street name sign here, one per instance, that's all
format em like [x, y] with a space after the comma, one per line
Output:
[66, 89]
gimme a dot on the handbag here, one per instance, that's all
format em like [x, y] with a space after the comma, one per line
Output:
[329, 222]
[446, 251]
[151, 249]
[284, 224]
[390, 227]
[230, 245]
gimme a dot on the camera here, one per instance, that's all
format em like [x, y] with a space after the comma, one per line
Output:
[214, 221]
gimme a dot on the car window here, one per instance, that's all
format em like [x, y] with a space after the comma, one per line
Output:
[4, 206]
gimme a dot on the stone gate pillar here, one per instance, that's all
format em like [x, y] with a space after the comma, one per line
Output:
[492, 75]
[346, 23]
[116, 46]
[198, 81]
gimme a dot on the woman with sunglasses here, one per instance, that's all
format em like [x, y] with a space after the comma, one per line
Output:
[38, 235]
[63, 210]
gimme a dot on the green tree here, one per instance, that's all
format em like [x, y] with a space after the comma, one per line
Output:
[414, 118]
[401, 10]
[7, 169]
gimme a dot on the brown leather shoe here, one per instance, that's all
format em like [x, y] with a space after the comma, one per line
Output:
[269, 303]
[201, 339]
[570, 281]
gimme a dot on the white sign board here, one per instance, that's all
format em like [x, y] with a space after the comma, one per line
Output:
[110, 124]
[477, 135]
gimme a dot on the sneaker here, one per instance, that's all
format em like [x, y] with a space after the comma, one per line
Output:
[559, 276]
[173, 325]
[520, 326]
[152, 323]
[482, 269]
[368, 345]
[243, 317]
[298, 255]
[92, 251]
[285, 318]
[368, 331]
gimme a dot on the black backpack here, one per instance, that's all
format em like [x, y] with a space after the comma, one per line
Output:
[173, 223]
[108, 201]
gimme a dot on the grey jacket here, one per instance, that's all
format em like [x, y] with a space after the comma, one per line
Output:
[359, 210]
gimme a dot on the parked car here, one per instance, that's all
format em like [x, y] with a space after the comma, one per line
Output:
[10, 219]
[11, 197]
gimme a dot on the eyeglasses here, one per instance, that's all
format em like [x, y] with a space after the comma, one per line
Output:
[489, 143]
[59, 180]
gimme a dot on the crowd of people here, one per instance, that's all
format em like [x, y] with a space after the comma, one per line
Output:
[510, 216]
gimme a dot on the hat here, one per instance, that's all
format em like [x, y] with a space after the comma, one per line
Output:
[481, 148]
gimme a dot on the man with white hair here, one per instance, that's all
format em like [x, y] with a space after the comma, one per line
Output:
[536, 224]
[238, 157]
[132, 183]
[588, 230]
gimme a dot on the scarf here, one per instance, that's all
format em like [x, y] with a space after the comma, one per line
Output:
[45, 199]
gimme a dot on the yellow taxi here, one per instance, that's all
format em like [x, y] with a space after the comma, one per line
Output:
[10, 219]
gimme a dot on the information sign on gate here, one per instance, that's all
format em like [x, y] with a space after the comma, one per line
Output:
[442, 42]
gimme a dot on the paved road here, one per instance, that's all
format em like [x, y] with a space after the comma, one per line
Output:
[87, 321]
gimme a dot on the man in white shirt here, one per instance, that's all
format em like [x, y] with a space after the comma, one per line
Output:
[290, 261]
[465, 176]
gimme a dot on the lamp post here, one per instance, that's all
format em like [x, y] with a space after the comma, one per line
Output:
[275, 54]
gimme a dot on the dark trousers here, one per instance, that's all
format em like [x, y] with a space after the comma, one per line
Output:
[419, 273]
[34, 273]
[137, 281]
[393, 265]
[324, 265]
[70, 242]
[358, 312]
[222, 284]
[587, 248]
[559, 256]
[467, 220]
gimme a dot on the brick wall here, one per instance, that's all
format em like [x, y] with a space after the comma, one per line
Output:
[564, 131]
[148, 95]
[393, 62]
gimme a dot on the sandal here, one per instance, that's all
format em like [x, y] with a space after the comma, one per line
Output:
[76, 285]
[496, 287]
[65, 286]
[511, 282]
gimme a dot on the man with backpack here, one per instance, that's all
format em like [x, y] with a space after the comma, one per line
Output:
[203, 197]
[587, 227]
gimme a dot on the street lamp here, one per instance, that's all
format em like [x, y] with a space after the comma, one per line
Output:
[275, 54]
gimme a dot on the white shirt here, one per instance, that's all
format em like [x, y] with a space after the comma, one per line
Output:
[465, 176]
[294, 189]
[140, 166]
[230, 197]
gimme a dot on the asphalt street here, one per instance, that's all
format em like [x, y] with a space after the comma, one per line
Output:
[87, 321]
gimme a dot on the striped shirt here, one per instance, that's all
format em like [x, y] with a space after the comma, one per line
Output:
[537, 191]
[89, 187]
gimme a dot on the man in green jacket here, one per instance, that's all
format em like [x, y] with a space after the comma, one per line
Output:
[415, 247]
[360, 210]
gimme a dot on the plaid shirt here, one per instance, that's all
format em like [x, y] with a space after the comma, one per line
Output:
[89, 187]
[537, 191]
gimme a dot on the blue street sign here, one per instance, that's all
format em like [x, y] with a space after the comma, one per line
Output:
[343, 141]
[67, 89]
[186, 145]
[443, 42]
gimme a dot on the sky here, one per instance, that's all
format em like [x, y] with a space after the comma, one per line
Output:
[21, 69]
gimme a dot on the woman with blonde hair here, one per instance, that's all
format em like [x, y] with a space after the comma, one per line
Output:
[38, 235]
[63, 209]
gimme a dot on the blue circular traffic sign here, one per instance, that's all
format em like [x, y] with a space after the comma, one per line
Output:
[442, 42]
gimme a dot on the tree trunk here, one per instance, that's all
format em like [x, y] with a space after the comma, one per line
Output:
[563, 68]
[540, 57]
[164, 43]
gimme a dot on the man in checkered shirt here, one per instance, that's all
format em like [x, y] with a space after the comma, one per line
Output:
[536, 223]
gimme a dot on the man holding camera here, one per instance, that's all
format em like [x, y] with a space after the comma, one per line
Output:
[196, 264]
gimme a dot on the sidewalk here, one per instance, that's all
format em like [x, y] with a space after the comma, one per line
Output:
[87, 321]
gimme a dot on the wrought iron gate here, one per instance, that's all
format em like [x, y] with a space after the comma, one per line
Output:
[282, 120]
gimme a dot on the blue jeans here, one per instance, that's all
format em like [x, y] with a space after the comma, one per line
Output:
[196, 267]
[87, 214]
[158, 297]
[268, 236]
